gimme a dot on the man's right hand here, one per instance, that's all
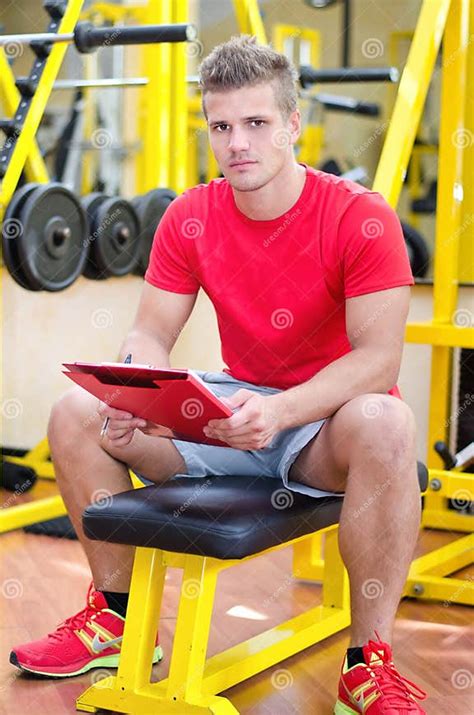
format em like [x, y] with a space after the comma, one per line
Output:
[121, 426]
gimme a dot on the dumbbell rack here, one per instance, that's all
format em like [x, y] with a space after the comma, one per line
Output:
[35, 168]
[429, 575]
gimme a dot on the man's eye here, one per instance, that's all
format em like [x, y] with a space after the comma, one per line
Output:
[221, 127]
[258, 122]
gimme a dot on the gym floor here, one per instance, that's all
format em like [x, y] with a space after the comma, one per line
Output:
[51, 577]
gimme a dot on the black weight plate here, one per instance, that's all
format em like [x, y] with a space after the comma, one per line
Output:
[11, 227]
[115, 248]
[52, 244]
[150, 208]
[417, 249]
[17, 477]
[90, 203]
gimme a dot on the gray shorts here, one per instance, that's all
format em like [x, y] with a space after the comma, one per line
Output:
[273, 461]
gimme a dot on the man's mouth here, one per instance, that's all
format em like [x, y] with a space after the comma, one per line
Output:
[243, 162]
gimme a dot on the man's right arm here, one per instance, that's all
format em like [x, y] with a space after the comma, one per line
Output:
[160, 317]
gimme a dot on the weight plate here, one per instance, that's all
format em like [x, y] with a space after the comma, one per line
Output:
[90, 203]
[11, 228]
[417, 250]
[52, 246]
[150, 208]
[116, 237]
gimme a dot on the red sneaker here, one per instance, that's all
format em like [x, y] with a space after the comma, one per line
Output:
[376, 687]
[90, 639]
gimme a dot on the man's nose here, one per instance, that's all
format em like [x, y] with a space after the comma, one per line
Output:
[238, 140]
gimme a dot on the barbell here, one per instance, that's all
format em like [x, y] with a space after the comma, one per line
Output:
[311, 75]
[87, 37]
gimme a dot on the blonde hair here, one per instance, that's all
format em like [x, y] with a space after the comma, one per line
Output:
[241, 62]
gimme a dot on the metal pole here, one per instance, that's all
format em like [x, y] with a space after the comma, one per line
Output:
[87, 37]
[36, 37]
[346, 34]
[103, 83]
[310, 75]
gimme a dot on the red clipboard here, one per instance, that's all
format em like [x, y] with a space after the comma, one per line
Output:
[177, 401]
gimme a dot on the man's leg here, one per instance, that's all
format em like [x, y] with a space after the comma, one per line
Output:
[367, 449]
[89, 468]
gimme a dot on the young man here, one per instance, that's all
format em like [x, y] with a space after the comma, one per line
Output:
[309, 277]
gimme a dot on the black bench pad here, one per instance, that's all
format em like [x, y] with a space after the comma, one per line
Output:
[228, 517]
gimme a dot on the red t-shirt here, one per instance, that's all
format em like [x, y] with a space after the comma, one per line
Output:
[279, 286]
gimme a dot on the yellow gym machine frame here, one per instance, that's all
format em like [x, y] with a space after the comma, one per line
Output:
[194, 681]
[414, 182]
[428, 574]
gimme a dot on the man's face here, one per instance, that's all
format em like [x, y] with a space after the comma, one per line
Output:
[249, 136]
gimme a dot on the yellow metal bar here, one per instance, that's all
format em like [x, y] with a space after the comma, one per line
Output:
[336, 592]
[439, 334]
[153, 164]
[450, 173]
[35, 168]
[178, 115]
[308, 563]
[280, 32]
[436, 588]
[447, 223]
[410, 100]
[445, 560]
[415, 184]
[435, 517]
[193, 155]
[38, 104]
[439, 411]
[314, 38]
[192, 629]
[141, 625]
[311, 144]
[453, 484]
[194, 105]
[274, 645]
[466, 138]
[249, 19]
[212, 165]
[16, 517]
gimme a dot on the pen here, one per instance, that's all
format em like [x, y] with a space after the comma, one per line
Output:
[103, 431]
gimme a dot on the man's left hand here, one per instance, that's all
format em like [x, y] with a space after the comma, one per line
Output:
[253, 426]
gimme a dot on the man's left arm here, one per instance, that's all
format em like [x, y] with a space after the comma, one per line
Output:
[375, 325]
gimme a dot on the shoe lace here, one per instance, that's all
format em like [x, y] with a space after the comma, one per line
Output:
[398, 690]
[74, 622]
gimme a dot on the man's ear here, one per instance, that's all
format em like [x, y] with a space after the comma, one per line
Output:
[294, 126]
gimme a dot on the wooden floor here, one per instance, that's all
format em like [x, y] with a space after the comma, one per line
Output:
[433, 643]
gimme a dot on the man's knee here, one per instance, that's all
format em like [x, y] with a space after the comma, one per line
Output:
[73, 416]
[381, 424]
